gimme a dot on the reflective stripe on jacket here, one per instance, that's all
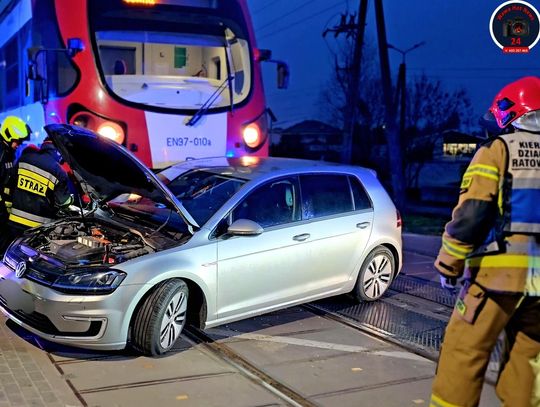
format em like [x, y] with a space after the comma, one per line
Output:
[27, 219]
[7, 157]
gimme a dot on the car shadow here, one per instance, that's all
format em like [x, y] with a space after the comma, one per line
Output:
[284, 322]
[64, 351]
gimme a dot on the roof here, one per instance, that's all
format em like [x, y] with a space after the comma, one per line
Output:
[257, 167]
[311, 127]
[452, 136]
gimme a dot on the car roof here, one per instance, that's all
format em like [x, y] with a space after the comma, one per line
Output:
[251, 168]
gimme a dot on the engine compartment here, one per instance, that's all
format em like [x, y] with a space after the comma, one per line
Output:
[91, 242]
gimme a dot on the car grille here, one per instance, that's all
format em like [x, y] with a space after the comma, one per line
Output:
[43, 324]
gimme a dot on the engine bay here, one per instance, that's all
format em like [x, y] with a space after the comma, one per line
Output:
[91, 242]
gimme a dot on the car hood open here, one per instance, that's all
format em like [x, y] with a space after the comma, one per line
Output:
[106, 169]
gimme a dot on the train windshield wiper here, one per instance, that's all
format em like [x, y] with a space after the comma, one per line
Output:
[210, 101]
[227, 83]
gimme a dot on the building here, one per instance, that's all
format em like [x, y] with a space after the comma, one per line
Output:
[309, 139]
[440, 177]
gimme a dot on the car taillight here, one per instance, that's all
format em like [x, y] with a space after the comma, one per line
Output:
[399, 222]
[111, 130]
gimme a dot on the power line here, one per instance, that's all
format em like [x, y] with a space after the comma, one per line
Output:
[306, 90]
[296, 9]
[285, 15]
[294, 24]
[265, 7]
[477, 76]
[479, 69]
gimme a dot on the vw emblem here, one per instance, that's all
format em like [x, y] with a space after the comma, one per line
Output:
[20, 269]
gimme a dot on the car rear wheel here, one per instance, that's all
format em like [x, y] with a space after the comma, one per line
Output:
[375, 275]
[161, 318]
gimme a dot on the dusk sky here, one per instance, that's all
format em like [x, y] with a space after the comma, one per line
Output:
[459, 49]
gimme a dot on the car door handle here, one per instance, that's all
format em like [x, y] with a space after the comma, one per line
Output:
[302, 237]
[362, 225]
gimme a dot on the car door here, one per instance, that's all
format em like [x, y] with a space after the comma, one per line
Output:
[337, 215]
[260, 272]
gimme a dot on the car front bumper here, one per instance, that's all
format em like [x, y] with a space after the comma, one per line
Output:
[87, 321]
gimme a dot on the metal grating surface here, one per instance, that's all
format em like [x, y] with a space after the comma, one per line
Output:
[402, 325]
[428, 290]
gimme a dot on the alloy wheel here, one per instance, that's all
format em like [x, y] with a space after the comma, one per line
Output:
[173, 320]
[377, 277]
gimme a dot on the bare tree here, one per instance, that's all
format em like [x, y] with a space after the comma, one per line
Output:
[431, 109]
[370, 107]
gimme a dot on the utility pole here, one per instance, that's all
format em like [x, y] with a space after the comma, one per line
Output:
[355, 29]
[401, 86]
[391, 129]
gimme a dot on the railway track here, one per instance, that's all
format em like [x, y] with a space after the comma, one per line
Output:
[246, 368]
[395, 319]
[412, 314]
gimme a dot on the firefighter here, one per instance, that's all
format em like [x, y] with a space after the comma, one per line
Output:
[42, 188]
[13, 132]
[493, 243]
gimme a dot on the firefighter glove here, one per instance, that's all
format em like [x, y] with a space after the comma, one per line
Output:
[448, 283]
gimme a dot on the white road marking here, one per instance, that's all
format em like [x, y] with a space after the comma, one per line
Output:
[317, 344]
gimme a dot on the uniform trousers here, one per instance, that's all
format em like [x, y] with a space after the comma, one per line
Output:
[467, 347]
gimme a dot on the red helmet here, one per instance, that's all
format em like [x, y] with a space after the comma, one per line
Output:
[515, 100]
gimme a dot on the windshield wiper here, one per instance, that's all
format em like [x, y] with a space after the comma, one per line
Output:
[214, 96]
[211, 100]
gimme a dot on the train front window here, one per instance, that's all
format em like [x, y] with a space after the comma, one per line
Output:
[172, 56]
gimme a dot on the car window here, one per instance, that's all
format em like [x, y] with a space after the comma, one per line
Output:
[202, 193]
[272, 204]
[325, 194]
[361, 199]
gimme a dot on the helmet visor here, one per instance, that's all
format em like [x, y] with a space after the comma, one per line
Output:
[529, 121]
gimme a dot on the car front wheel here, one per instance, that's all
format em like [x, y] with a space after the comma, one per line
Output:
[161, 318]
[375, 275]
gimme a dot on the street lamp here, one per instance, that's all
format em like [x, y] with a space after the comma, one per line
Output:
[401, 87]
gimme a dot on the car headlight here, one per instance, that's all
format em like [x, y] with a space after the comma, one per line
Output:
[100, 281]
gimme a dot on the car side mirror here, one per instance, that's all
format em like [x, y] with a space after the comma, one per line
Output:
[244, 227]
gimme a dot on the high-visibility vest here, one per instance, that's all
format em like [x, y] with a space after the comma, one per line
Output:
[521, 192]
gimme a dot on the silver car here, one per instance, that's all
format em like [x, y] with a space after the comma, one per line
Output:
[205, 241]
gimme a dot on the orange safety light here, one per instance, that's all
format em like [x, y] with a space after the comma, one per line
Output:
[140, 2]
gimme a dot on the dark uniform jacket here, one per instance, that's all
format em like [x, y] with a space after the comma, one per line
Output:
[41, 187]
[493, 235]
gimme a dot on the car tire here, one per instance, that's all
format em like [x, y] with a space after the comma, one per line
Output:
[161, 318]
[376, 275]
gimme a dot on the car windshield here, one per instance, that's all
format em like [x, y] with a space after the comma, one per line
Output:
[202, 193]
[145, 211]
[173, 57]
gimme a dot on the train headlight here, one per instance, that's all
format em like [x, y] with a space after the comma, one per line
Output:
[252, 135]
[111, 130]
